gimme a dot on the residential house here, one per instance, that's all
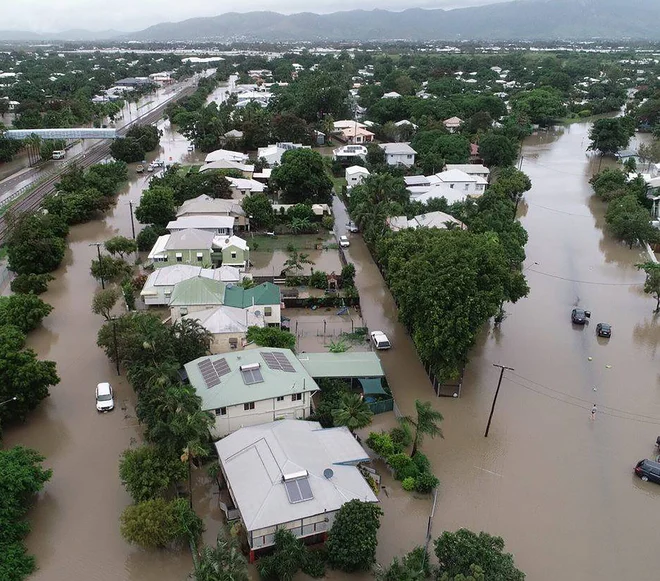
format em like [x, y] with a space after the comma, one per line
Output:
[349, 153]
[352, 132]
[246, 169]
[241, 187]
[223, 225]
[429, 220]
[391, 95]
[234, 251]
[405, 122]
[264, 300]
[473, 169]
[292, 475]
[226, 154]
[159, 285]
[399, 153]
[228, 326]
[475, 158]
[251, 387]
[346, 123]
[206, 205]
[354, 175]
[273, 153]
[190, 246]
[317, 209]
[234, 134]
[195, 294]
[134, 82]
[244, 98]
[453, 124]
[470, 184]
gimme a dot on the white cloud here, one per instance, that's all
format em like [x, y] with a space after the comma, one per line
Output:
[128, 15]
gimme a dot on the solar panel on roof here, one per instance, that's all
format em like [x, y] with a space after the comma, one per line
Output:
[221, 367]
[270, 360]
[209, 374]
[284, 363]
[298, 490]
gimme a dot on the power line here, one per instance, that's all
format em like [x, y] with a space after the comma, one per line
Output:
[559, 211]
[585, 281]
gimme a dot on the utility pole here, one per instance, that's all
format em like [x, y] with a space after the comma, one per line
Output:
[114, 338]
[130, 203]
[98, 250]
[497, 391]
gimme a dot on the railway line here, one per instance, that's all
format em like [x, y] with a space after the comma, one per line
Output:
[95, 154]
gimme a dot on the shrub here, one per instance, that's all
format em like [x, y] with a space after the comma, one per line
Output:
[408, 484]
[319, 279]
[422, 462]
[31, 283]
[403, 466]
[147, 238]
[402, 435]
[425, 482]
[328, 222]
[314, 563]
[381, 443]
[348, 276]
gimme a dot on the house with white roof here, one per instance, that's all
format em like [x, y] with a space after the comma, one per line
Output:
[399, 153]
[234, 251]
[226, 154]
[346, 123]
[453, 124]
[244, 98]
[273, 153]
[438, 220]
[251, 387]
[160, 283]
[241, 187]
[473, 169]
[355, 174]
[290, 474]
[228, 326]
[454, 185]
[471, 185]
[349, 153]
[391, 95]
[206, 205]
[246, 169]
[353, 132]
[223, 225]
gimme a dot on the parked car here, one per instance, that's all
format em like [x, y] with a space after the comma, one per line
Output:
[191, 147]
[343, 242]
[139, 169]
[604, 330]
[580, 316]
[352, 227]
[150, 167]
[104, 397]
[648, 470]
[380, 340]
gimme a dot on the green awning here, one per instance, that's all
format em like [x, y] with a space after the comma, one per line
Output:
[372, 386]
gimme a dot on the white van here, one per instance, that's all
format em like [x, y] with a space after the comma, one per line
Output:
[380, 340]
[59, 154]
[104, 398]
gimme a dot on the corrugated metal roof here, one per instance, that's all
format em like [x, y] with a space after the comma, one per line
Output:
[263, 294]
[190, 239]
[348, 364]
[197, 291]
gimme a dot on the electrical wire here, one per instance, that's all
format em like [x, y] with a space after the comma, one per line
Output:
[559, 211]
[585, 281]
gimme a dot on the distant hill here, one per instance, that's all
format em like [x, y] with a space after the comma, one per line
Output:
[516, 20]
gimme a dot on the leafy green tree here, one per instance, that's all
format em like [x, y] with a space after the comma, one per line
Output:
[353, 412]
[156, 207]
[25, 312]
[609, 135]
[348, 275]
[31, 283]
[104, 301]
[109, 268]
[498, 150]
[302, 177]
[120, 245]
[21, 478]
[190, 340]
[35, 243]
[414, 566]
[459, 552]
[609, 184]
[375, 157]
[286, 560]
[224, 562]
[512, 183]
[271, 337]
[541, 106]
[158, 523]
[296, 262]
[629, 221]
[259, 210]
[354, 536]
[127, 150]
[652, 282]
[147, 237]
[148, 473]
[425, 422]
[22, 375]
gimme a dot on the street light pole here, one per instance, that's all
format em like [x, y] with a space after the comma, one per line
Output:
[114, 339]
[8, 401]
[130, 203]
[98, 250]
[497, 391]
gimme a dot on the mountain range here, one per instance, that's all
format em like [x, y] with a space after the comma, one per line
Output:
[516, 20]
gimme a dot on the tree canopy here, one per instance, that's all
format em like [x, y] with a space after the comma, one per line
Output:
[610, 135]
[302, 177]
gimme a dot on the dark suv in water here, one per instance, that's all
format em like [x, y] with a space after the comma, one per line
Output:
[648, 470]
[580, 316]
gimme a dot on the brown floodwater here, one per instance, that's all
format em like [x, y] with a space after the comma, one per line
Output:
[558, 487]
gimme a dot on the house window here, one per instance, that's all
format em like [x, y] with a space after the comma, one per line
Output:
[183, 310]
[467, 187]
[451, 186]
[233, 255]
[200, 257]
[268, 311]
[409, 156]
[179, 257]
[296, 397]
[248, 406]
[221, 412]
[280, 398]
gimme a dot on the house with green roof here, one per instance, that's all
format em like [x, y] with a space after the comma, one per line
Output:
[264, 299]
[195, 294]
[251, 387]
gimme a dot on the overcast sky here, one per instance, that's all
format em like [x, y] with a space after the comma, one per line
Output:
[129, 15]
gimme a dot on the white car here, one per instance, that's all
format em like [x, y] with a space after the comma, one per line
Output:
[352, 227]
[343, 242]
[380, 340]
[104, 398]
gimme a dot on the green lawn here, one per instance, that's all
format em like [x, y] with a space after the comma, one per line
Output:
[283, 241]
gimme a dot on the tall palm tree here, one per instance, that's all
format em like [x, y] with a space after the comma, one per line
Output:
[425, 423]
[296, 261]
[353, 412]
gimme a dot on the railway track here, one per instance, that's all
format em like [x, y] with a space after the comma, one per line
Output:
[93, 155]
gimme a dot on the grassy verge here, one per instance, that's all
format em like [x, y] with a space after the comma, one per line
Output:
[283, 241]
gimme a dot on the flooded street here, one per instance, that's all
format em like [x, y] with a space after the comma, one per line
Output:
[558, 487]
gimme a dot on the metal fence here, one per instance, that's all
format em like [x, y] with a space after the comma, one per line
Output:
[382, 406]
